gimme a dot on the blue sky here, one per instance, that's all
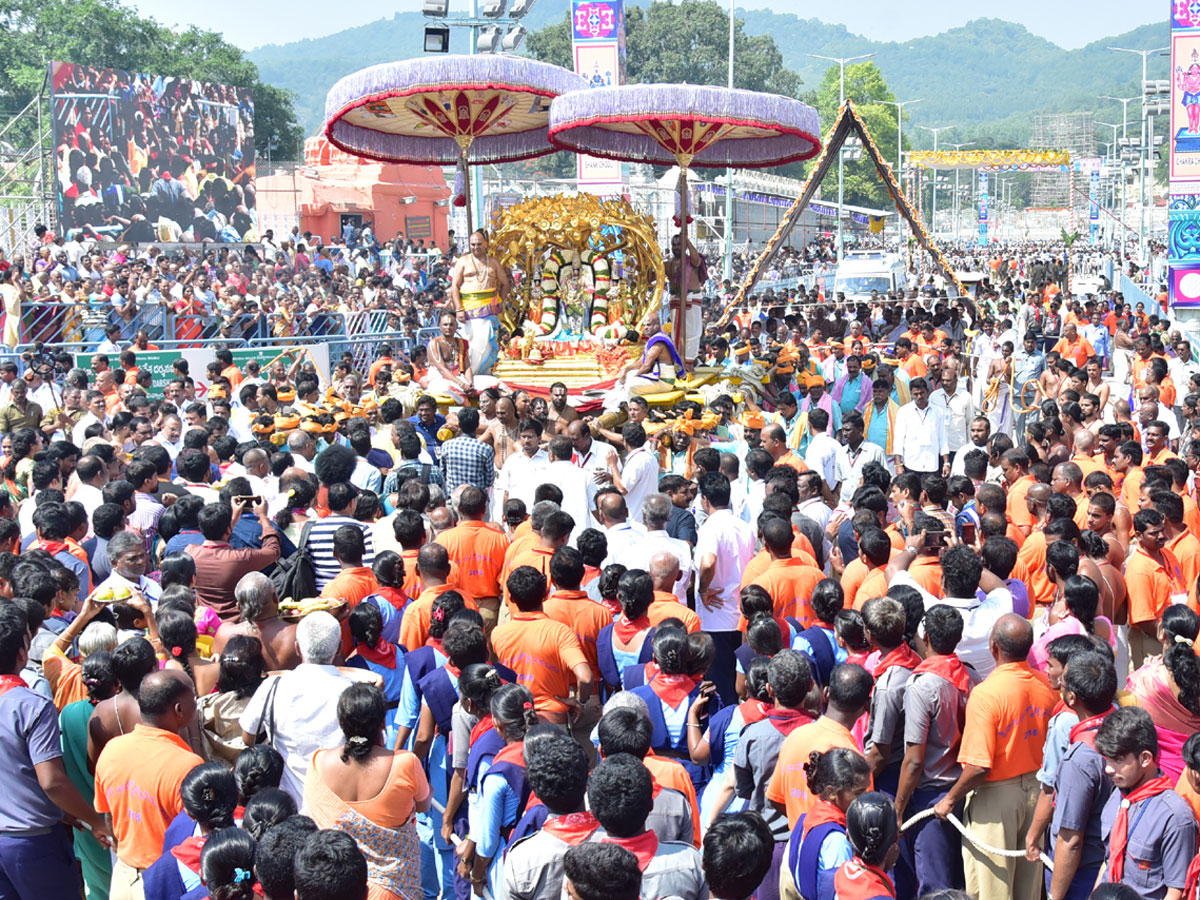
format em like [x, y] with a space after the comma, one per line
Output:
[1068, 23]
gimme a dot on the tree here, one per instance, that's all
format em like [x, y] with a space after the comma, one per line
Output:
[105, 33]
[865, 85]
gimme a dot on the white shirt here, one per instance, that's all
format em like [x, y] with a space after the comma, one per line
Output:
[824, 455]
[959, 465]
[619, 537]
[731, 541]
[595, 460]
[637, 555]
[88, 419]
[756, 493]
[979, 617]
[46, 397]
[855, 461]
[640, 477]
[302, 719]
[958, 411]
[920, 437]
[578, 491]
[522, 475]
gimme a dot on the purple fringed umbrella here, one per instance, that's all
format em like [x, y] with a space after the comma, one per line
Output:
[686, 125]
[447, 109]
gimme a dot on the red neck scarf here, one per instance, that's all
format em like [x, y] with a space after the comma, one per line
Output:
[1058, 707]
[856, 880]
[1193, 878]
[644, 846]
[672, 689]
[821, 812]
[382, 654]
[613, 605]
[754, 710]
[436, 644]
[511, 753]
[788, 720]
[8, 682]
[625, 630]
[1120, 830]
[651, 671]
[188, 852]
[949, 668]
[573, 828]
[52, 547]
[903, 656]
[482, 727]
[394, 596]
[1086, 730]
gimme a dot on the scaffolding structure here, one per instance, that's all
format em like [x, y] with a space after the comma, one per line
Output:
[1075, 132]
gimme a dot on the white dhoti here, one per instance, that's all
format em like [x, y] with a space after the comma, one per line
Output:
[1001, 415]
[436, 383]
[481, 329]
[686, 329]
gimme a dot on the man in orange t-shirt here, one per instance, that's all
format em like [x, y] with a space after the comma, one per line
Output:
[433, 566]
[788, 579]
[572, 606]
[545, 654]
[849, 696]
[555, 532]
[478, 549]
[1003, 735]
[1073, 347]
[1154, 581]
[1015, 466]
[138, 776]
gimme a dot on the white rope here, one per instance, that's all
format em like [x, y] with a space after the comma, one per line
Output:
[965, 832]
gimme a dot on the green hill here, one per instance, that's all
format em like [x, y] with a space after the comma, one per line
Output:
[987, 77]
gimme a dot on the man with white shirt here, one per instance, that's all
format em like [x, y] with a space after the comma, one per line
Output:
[93, 475]
[594, 457]
[980, 431]
[258, 470]
[824, 454]
[619, 531]
[962, 576]
[856, 454]
[303, 447]
[95, 414]
[577, 486]
[919, 439]
[724, 547]
[656, 512]
[638, 478]
[956, 405]
[523, 472]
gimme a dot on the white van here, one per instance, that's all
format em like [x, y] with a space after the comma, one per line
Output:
[864, 271]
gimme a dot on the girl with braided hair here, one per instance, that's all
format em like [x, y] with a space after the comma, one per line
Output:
[874, 833]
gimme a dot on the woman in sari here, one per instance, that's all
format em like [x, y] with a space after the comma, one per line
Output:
[372, 794]
[499, 789]
[628, 640]
[25, 443]
[1168, 686]
[1074, 612]
[101, 682]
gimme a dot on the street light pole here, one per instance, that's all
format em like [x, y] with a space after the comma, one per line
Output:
[933, 213]
[1145, 152]
[1121, 163]
[729, 173]
[957, 202]
[900, 104]
[841, 61]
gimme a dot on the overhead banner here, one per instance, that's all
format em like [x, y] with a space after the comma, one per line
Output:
[983, 208]
[598, 48]
[1183, 147]
[1094, 206]
[160, 363]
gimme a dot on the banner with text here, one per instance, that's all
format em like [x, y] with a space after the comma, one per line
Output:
[598, 48]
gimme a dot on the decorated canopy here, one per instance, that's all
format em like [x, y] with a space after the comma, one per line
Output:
[995, 160]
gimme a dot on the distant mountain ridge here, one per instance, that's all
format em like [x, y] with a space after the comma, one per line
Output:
[988, 77]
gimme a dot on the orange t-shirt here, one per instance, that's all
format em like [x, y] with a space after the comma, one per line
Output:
[927, 572]
[1081, 508]
[762, 559]
[853, 576]
[1186, 549]
[666, 605]
[1032, 556]
[1158, 458]
[1191, 514]
[479, 551]
[790, 583]
[582, 615]
[1016, 535]
[672, 774]
[234, 374]
[1005, 726]
[130, 376]
[542, 652]
[1077, 352]
[1152, 586]
[1131, 488]
[874, 585]
[1087, 465]
[413, 585]
[789, 784]
[791, 459]
[1166, 392]
[414, 624]
[1018, 512]
[69, 687]
[352, 585]
[915, 366]
[138, 776]
[521, 541]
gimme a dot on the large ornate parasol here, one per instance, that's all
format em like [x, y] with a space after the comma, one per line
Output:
[685, 125]
[448, 109]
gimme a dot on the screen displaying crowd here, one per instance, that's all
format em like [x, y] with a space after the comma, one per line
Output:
[151, 157]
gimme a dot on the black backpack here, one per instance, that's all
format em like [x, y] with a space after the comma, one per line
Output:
[294, 575]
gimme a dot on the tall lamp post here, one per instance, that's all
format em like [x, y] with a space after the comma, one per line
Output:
[729, 173]
[957, 147]
[841, 61]
[933, 214]
[900, 104]
[1146, 152]
[1116, 147]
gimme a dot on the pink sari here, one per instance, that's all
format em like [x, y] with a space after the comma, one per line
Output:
[1152, 687]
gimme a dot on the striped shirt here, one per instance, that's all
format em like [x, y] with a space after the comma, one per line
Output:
[320, 547]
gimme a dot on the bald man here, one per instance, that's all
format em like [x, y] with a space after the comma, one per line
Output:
[1085, 450]
[613, 515]
[1003, 734]
[1067, 478]
[774, 441]
[433, 566]
[442, 518]
[665, 573]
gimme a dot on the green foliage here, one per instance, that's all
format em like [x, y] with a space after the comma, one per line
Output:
[1069, 238]
[105, 33]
